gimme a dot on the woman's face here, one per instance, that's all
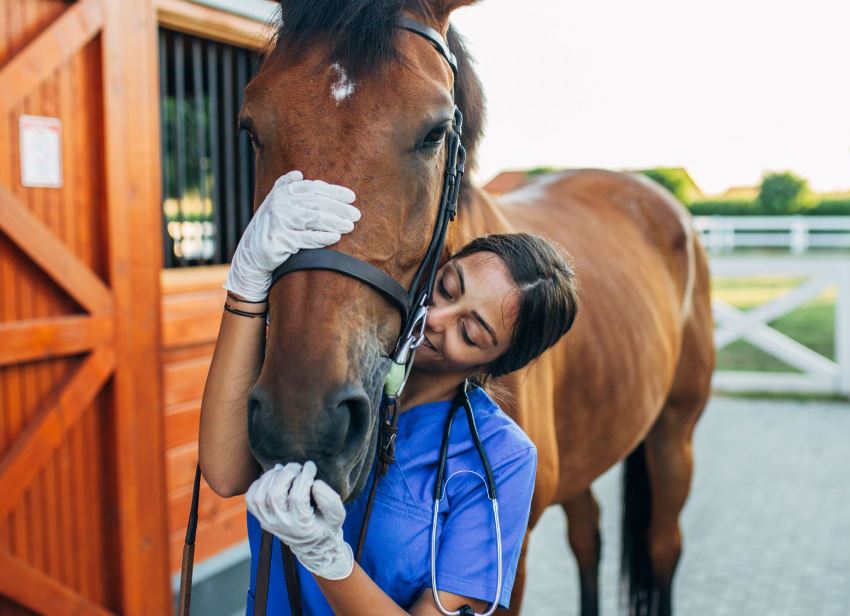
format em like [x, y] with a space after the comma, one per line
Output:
[471, 316]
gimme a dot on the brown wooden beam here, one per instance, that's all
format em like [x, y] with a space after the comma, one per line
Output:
[40, 593]
[213, 24]
[50, 254]
[36, 339]
[133, 211]
[50, 50]
[58, 413]
[180, 280]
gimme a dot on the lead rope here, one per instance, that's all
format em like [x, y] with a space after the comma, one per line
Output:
[187, 564]
[290, 576]
[385, 457]
[261, 585]
[261, 588]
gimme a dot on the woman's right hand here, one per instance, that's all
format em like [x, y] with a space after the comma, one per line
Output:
[297, 214]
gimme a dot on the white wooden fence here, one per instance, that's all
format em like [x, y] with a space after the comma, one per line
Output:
[818, 374]
[723, 234]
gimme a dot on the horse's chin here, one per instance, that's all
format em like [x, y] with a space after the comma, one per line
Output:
[347, 482]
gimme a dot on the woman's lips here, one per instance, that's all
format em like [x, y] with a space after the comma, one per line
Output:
[427, 343]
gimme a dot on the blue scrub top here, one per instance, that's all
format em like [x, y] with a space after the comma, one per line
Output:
[398, 542]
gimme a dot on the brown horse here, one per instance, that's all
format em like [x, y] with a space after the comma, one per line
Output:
[346, 96]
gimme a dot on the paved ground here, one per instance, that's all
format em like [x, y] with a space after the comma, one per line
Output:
[767, 527]
[766, 530]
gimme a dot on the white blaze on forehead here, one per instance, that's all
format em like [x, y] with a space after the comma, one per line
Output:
[342, 88]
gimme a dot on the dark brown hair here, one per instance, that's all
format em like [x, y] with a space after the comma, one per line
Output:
[548, 295]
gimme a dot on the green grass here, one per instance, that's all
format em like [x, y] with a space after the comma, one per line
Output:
[811, 324]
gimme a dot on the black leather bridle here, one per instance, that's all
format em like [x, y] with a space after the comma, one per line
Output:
[412, 304]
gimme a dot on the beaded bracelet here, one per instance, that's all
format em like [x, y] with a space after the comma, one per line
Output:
[236, 298]
[243, 313]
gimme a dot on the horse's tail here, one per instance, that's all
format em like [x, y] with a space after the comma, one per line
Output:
[635, 564]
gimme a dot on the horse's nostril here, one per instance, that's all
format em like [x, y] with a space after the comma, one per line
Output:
[255, 407]
[257, 404]
[353, 415]
[263, 431]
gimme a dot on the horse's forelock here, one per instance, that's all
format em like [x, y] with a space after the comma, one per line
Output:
[362, 31]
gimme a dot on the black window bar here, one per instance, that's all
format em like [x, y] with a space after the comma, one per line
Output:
[207, 165]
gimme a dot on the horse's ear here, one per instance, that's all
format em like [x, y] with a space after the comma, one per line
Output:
[443, 9]
[450, 5]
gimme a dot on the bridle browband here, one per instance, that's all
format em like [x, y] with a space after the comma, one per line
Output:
[412, 303]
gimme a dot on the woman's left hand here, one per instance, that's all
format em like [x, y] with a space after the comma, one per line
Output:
[280, 500]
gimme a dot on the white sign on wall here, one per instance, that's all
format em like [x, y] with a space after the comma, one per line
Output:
[41, 151]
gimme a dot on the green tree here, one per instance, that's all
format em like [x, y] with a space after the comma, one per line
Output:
[782, 193]
[670, 180]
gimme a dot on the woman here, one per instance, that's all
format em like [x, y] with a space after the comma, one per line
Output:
[498, 304]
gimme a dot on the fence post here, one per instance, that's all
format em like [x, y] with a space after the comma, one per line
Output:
[728, 236]
[799, 235]
[714, 236]
[842, 327]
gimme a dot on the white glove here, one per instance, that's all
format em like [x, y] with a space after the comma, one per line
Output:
[296, 214]
[280, 500]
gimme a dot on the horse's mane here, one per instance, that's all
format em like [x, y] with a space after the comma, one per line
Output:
[363, 32]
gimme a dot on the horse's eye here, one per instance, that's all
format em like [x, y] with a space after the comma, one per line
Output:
[434, 138]
[248, 128]
[254, 143]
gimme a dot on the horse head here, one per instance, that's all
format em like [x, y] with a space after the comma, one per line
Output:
[346, 96]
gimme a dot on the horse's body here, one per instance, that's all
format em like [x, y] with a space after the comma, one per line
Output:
[634, 369]
[344, 97]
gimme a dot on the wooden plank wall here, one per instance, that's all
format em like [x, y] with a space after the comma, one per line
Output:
[83, 521]
[57, 526]
[103, 355]
[192, 301]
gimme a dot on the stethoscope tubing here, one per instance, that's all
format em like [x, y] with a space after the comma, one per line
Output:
[492, 608]
[491, 495]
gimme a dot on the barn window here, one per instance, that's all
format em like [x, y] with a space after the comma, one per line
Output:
[207, 164]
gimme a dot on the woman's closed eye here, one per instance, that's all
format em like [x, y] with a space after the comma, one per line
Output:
[448, 293]
[465, 333]
[441, 287]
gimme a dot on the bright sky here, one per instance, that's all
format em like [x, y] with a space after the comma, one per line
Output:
[727, 88]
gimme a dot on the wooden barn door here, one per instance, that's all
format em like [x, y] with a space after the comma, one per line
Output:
[82, 492]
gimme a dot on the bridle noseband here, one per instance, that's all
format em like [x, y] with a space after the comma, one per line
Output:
[412, 303]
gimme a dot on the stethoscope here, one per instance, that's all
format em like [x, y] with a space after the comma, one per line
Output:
[439, 488]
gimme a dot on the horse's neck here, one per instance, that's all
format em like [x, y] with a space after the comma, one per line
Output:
[478, 215]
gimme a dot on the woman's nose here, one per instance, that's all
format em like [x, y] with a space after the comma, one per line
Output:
[438, 317]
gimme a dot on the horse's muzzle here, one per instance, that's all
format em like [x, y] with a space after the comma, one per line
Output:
[335, 434]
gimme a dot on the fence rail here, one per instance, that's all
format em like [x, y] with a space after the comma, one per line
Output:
[818, 374]
[799, 234]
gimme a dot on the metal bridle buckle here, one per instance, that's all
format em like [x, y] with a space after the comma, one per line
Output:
[402, 358]
[414, 336]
